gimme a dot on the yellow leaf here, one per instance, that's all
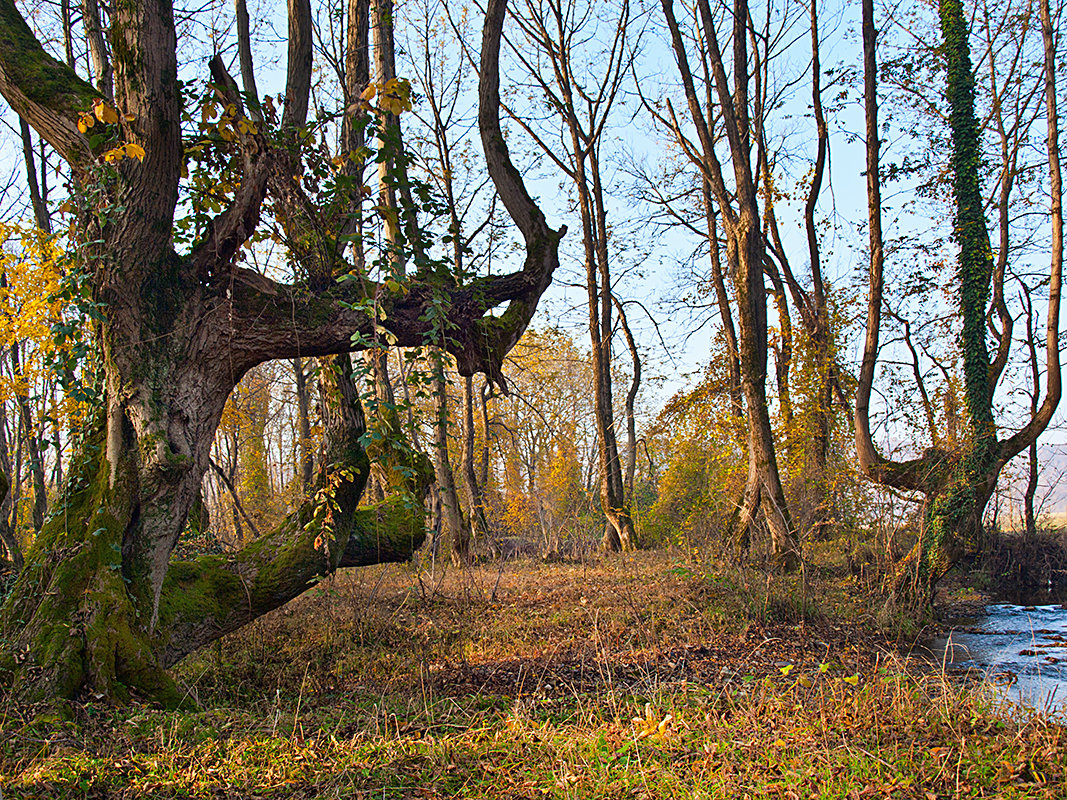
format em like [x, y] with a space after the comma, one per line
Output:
[823, 668]
[804, 681]
[661, 729]
[134, 151]
[105, 113]
[852, 680]
[129, 117]
[786, 669]
[369, 92]
[396, 96]
[651, 724]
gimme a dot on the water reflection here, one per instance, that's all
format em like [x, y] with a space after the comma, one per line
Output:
[1021, 649]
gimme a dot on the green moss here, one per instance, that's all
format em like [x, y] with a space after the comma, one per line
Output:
[395, 525]
[192, 588]
[44, 80]
[72, 609]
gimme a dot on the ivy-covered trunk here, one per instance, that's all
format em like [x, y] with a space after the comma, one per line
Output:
[957, 485]
[952, 519]
[952, 528]
[77, 619]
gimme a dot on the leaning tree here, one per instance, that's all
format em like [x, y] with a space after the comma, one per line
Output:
[957, 482]
[101, 605]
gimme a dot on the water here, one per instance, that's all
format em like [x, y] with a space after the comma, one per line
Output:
[1021, 649]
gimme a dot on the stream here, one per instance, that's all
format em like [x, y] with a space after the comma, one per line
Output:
[1021, 649]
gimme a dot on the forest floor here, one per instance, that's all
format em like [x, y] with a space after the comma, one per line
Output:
[644, 676]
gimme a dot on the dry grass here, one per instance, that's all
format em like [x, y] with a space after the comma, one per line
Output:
[632, 677]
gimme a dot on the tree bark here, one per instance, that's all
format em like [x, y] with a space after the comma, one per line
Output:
[957, 489]
[100, 606]
[303, 425]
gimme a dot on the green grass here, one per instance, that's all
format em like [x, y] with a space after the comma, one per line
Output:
[636, 678]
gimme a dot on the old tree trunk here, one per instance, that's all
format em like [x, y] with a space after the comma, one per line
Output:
[101, 607]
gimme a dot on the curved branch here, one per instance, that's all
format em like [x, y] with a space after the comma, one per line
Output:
[507, 179]
[1040, 420]
[912, 475]
[492, 338]
[205, 599]
[260, 319]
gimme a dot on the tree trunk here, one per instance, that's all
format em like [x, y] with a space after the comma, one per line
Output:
[631, 399]
[745, 247]
[102, 71]
[1029, 515]
[303, 425]
[33, 444]
[452, 527]
[751, 298]
[474, 488]
[722, 298]
[613, 495]
[783, 350]
[101, 607]
[95, 610]
[819, 326]
[10, 543]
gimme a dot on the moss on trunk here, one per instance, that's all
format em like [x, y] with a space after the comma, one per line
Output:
[79, 621]
[71, 625]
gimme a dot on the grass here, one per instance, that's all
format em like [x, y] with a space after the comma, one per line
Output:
[640, 677]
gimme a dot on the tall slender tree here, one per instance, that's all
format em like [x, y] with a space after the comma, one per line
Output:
[738, 205]
[583, 106]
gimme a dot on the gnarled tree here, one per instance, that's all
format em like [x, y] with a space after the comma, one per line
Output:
[101, 606]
